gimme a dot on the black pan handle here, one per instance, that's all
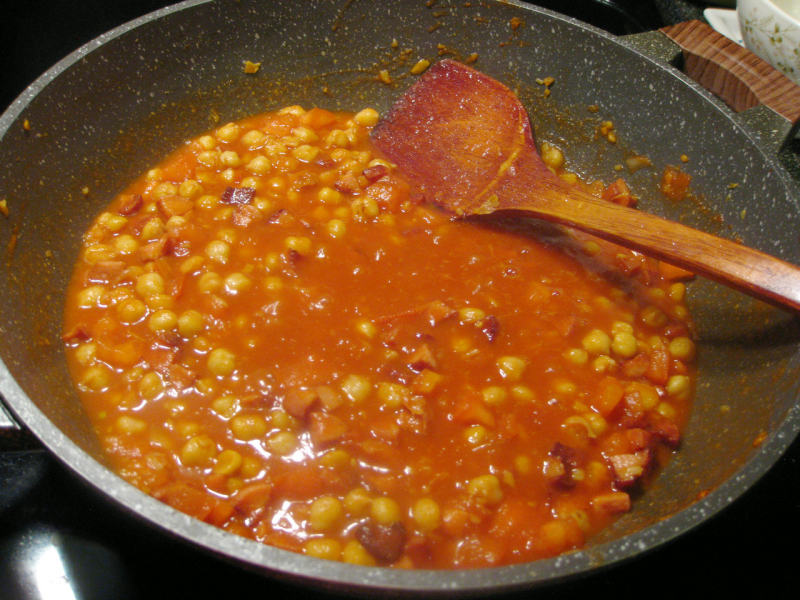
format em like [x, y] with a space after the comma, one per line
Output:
[737, 76]
[12, 435]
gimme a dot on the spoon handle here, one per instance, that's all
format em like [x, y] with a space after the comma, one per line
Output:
[745, 269]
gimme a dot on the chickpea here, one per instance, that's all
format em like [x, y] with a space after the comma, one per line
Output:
[385, 510]
[228, 462]
[126, 244]
[677, 291]
[305, 153]
[355, 554]
[159, 302]
[218, 251]
[392, 395]
[523, 464]
[150, 386]
[259, 165]
[209, 158]
[236, 283]
[225, 406]
[198, 451]
[207, 142]
[523, 393]
[494, 395]
[190, 189]
[366, 117]
[149, 284]
[162, 320]
[326, 548]
[486, 489]
[91, 296]
[131, 425]
[577, 356]
[336, 228]
[426, 514]
[653, 317]
[624, 344]
[328, 195]
[325, 512]
[111, 221]
[163, 190]
[678, 386]
[356, 387]
[209, 282]
[190, 323]
[682, 348]
[228, 133]
[86, 353]
[511, 367]
[300, 244]
[283, 443]
[251, 467]
[337, 137]
[248, 427]
[154, 228]
[131, 310]
[552, 156]
[476, 435]
[357, 501]
[95, 379]
[596, 342]
[221, 362]
[304, 134]
[253, 139]
[564, 387]
[335, 459]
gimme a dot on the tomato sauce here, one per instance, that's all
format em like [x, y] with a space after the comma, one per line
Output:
[272, 332]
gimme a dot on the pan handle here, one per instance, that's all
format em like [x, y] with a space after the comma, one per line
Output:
[737, 76]
[12, 435]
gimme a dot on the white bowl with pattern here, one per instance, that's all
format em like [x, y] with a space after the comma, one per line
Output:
[771, 29]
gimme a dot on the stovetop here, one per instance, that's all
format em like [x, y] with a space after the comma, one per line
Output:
[61, 539]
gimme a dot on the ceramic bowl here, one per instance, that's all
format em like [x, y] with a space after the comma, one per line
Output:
[771, 29]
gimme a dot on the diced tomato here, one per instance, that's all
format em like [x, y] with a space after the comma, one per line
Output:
[302, 482]
[387, 193]
[317, 118]
[658, 369]
[472, 411]
[636, 366]
[618, 192]
[612, 503]
[220, 513]
[325, 428]
[185, 498]
[252, 498]
[297, 401]
[609, 394]
[675, 183]
[673, 273]
[479, 551]
[514, 517]
[175, 205]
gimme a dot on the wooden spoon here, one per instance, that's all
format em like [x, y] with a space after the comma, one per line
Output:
[465, 140]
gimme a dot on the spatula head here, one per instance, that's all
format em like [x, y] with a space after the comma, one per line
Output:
[461, 137]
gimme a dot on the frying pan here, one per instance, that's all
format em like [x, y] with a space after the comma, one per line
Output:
[105, 113]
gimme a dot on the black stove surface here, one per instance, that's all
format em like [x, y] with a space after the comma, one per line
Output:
[60, 539]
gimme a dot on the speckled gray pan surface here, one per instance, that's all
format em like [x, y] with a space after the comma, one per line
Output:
[104, 114]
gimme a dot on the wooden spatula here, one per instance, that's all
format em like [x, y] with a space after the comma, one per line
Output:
[465, 140]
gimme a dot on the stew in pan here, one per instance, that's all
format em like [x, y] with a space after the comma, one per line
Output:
[271, 333]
